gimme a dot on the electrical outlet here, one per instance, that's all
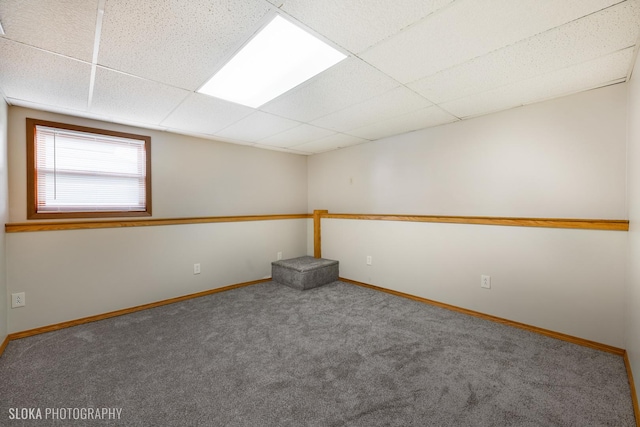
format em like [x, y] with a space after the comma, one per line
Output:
[369, 260]
[196, 268]
[279, 256]
[18, 300]
[485, 281]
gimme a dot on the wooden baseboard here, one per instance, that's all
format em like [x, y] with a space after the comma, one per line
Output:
[632, 386]
[552, 334]
[4, 345]
[70, 323]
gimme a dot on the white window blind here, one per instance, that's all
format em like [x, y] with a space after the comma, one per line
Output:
[87, 172]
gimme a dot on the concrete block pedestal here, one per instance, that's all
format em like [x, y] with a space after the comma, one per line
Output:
[304, 272]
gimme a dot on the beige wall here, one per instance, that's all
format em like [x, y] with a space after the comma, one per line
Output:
[4, 214]
[72, 274]
[632, 330]
[568, 281]
[561, 158]
[191, 176]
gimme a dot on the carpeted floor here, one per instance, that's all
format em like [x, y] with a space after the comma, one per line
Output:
[339, 355]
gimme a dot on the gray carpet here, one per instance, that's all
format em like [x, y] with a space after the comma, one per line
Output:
[338, 355]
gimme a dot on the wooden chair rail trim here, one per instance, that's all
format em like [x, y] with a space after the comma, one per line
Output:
[552, 334]
[86, 225]
[588, 224]
[70, 323]
[317, 234]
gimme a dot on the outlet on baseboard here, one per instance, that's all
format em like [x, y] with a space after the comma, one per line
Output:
[485, 281]
[18, 300]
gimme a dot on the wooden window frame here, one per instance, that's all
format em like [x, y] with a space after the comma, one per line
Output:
[32, 176]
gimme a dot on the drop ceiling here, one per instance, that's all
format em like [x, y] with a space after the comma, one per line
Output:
[411, 64]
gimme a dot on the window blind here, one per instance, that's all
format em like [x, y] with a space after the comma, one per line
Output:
[86, 172]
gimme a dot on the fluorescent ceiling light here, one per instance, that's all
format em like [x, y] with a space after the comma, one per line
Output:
[277, 59]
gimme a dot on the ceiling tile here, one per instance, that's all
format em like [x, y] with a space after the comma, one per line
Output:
[231, 140]
[304, 153]
[396, 102]
[205, 114]
[356, 26]
[329, 143]
[84, 114]
[45, 24]
[346, 83]
[257, 126]
[121, 95]
[296, 136]
[282, 149]
[470, 57]
[180, 43]
[575, 42]
[44, 78]
[51, 108]
[424, 118]
[599, 72]
[468, 29]
[209, 137]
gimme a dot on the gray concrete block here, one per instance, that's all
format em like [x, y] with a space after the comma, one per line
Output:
[304, 272]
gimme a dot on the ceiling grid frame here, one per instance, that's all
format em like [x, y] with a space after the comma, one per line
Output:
[93, 66]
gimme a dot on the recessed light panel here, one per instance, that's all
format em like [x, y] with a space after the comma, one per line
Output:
[277, 59]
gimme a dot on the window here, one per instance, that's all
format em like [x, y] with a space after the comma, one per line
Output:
[79, 172]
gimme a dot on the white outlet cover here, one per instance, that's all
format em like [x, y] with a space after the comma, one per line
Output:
[485, 281]
[369, 260]
[18, 300]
